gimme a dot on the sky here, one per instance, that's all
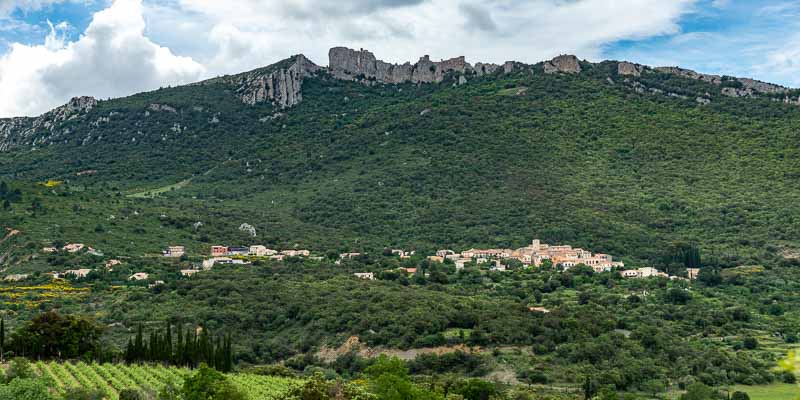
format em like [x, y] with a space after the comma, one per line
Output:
[52, 50]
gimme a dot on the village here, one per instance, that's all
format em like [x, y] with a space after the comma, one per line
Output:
[534, 255]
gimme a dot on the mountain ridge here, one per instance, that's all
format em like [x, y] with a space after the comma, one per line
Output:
[280, 81]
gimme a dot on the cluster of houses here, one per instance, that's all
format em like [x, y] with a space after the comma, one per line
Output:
[257, 251]
[534, 254]
[236, 256]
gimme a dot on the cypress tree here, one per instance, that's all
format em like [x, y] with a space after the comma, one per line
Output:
[178, 359]
[2, 339]
[130, 353]
[168, 344]
[193, 353]
[203, 353]
[228, 364]
[152, 350]
[219, 354]
[138, 346]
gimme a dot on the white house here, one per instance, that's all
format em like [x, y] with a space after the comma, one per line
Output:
[78, 273]
[74, 247]
[296, 253]
[139, 276]
[174, 251]
[645, 272]
[365, 275]
[258, 251]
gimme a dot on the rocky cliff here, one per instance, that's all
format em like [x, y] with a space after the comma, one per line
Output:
[281, 85]
[21, 130]
[349, 64]
[734, 87]
[567, 64]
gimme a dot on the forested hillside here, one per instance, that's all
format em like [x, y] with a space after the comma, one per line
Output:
[655, 167]
[585, 159]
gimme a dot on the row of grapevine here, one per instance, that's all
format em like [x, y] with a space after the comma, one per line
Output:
[258, 387]
[113, 378]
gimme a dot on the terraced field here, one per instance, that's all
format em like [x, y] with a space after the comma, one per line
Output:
[113, 378]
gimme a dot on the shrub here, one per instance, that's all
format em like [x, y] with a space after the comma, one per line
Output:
[740, 396]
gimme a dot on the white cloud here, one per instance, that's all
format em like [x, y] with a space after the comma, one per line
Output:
[784, 63]
[249, 33]
[112, 58]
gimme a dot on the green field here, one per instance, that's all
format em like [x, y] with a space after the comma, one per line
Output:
[113, 378]
[155, 192]
[776, 391]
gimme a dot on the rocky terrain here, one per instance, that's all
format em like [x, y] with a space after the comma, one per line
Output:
[21, 130]
[281, 85]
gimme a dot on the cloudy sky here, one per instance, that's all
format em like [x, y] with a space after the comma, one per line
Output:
[51, 50]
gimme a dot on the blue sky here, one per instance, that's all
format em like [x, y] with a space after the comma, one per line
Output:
[109, 48]
[735, 38]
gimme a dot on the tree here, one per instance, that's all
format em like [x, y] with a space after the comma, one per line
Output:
[389, 380]
[750, 343]
[169, 392]
[51, 335]
[698, 391]
[20, 368]
[2, 339]
[740, 396]
[138, 344]
[387, 365]
[26, 389]
[678, 296]
[589, 387]
[208, 384]
[475, 389]
[316, 388]
[654, 387]
[710, 276]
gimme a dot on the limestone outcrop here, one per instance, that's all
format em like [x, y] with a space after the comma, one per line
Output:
[349, 64]
[629, 69]
[22, 130]
[741, 87]
[567, 64]
[485, 68]
[281, 85]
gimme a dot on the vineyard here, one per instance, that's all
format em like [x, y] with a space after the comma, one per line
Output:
[113, 378]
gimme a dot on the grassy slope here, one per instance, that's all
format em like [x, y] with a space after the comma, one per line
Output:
[777, 391]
